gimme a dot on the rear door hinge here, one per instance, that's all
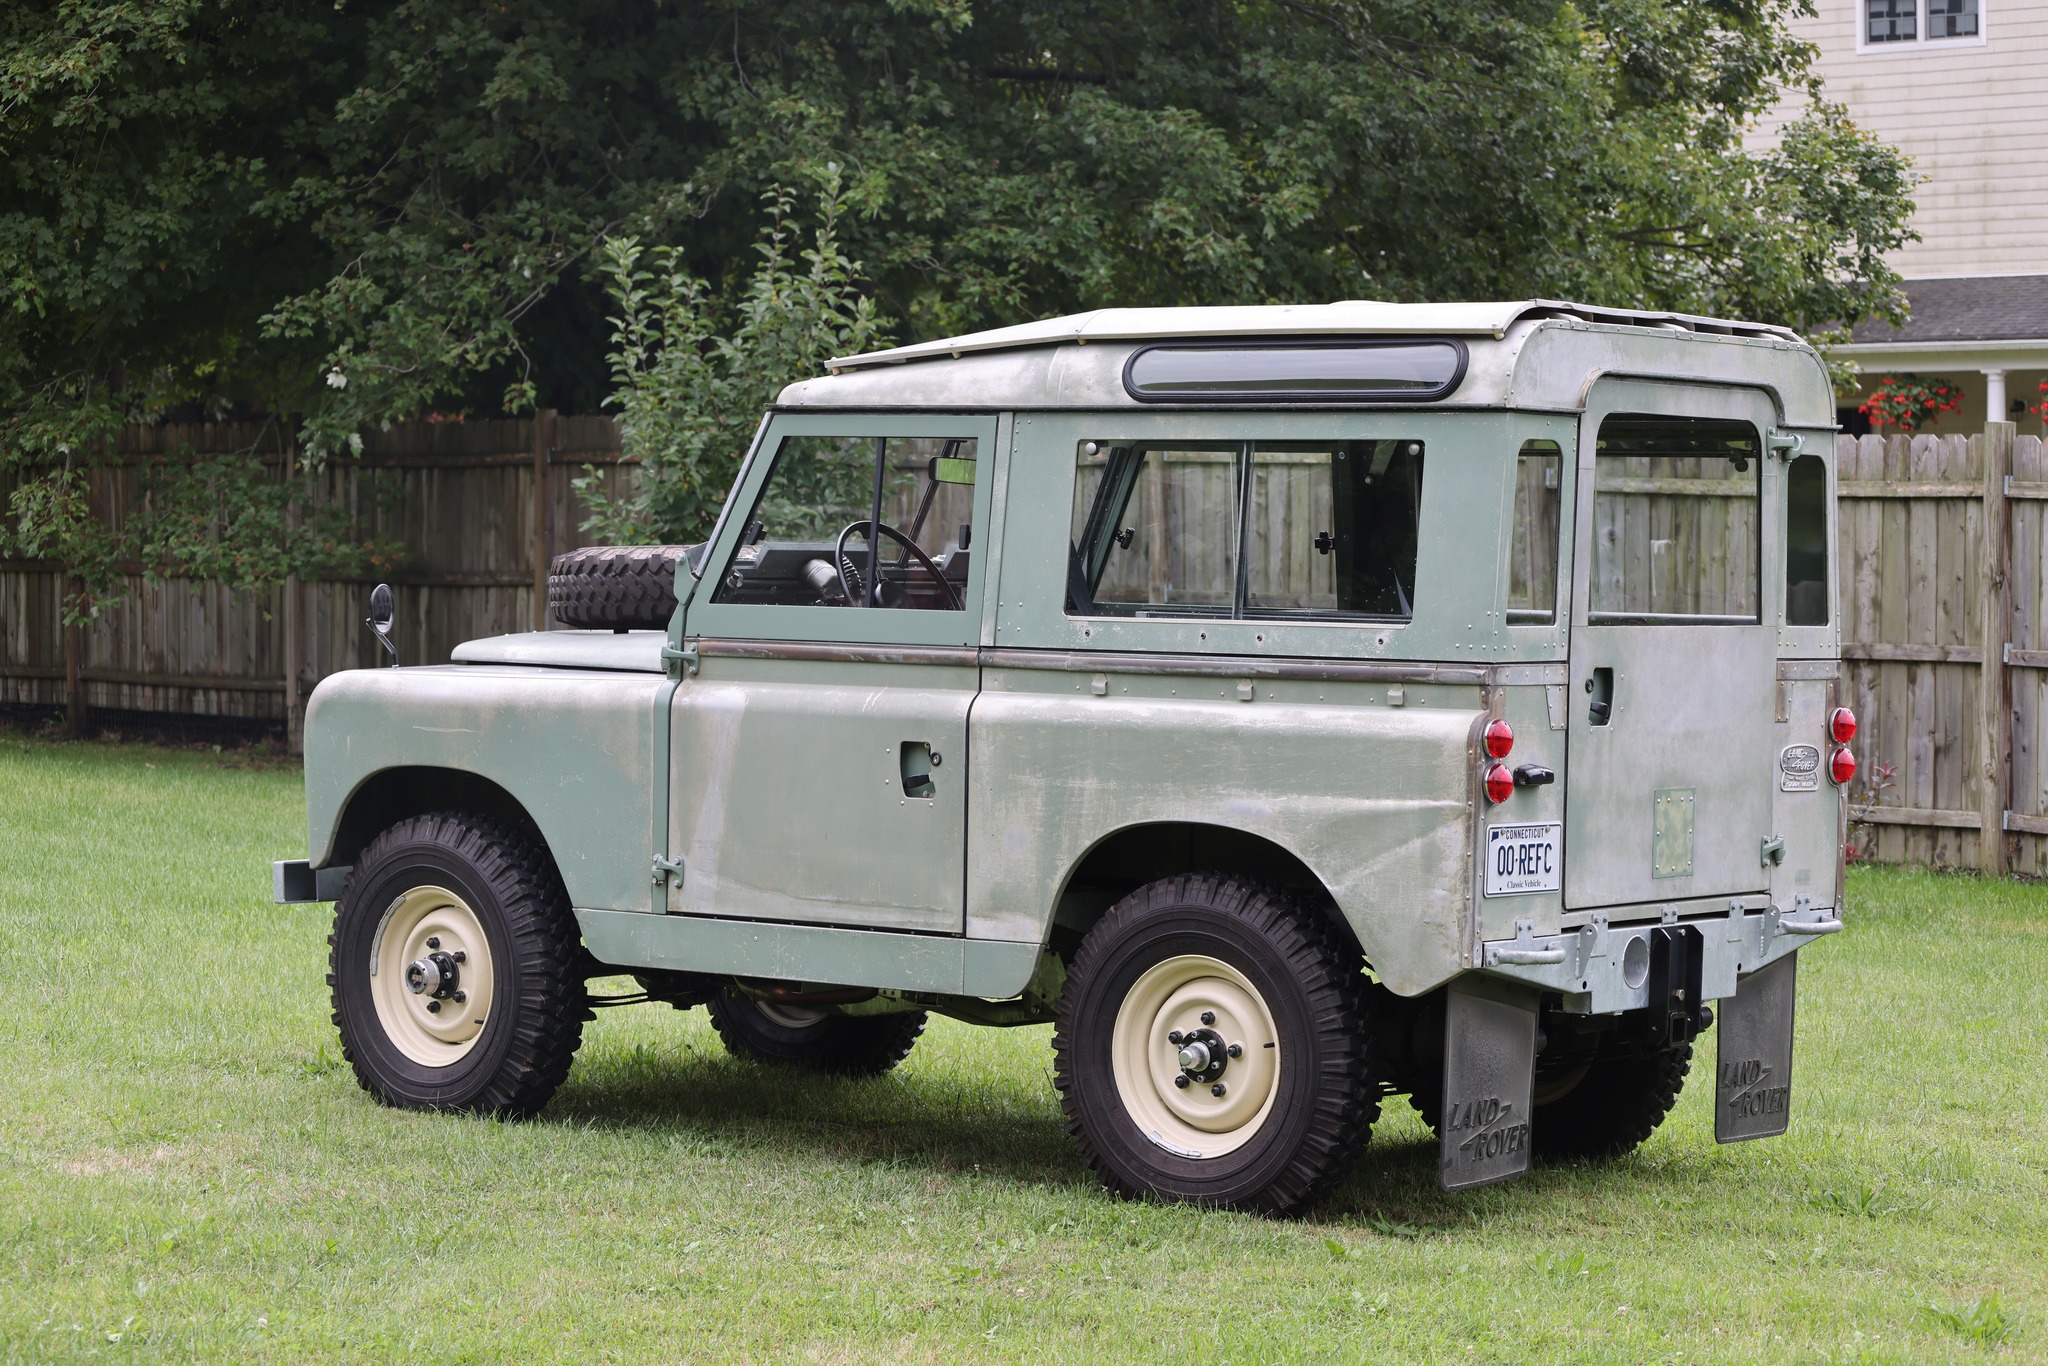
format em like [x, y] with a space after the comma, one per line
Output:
[667, 870]
[1773, 851]
[685, 655]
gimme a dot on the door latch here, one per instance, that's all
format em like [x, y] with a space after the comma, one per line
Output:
[1773, 851]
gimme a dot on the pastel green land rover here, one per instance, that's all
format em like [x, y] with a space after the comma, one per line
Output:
[1293, 706]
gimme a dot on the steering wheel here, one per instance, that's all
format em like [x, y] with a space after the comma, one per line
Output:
[849, 575]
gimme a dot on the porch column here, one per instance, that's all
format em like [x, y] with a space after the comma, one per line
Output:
[1994, 396]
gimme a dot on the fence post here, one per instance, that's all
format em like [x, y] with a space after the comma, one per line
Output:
[543, 513]
[293, 605]
[1994, 690]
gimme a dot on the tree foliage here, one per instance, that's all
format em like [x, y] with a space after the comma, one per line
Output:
[360, 212]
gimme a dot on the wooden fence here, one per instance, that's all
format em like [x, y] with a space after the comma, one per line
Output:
[1944, 579]
[479, 507]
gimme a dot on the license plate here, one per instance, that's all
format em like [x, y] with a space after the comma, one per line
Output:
[1524, 858]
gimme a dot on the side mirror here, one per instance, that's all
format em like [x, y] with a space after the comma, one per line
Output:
[379, 620]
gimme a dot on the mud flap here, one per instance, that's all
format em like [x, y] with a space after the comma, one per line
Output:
[1753, 1079]
[1489, 1074]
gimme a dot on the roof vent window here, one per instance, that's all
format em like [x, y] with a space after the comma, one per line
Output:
[1307, 372]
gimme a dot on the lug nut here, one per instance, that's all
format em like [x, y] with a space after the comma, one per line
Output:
[460, 956]
[1217, 1089]
[433, 1007]
[1237, 1050]
[1175, 1037]
[433, 941]
[461, 996]
[1208, 1017]
[1181, 1080]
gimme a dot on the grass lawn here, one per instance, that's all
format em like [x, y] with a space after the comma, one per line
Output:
[187, 1170]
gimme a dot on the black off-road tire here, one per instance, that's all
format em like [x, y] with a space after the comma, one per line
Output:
[623, 587]
[840, 1045]
[1617, 1104]
[508, 882]
[1299, 959]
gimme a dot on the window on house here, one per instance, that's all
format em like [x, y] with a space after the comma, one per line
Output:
[1951, 18]
[1914, 21]
[1892, 21]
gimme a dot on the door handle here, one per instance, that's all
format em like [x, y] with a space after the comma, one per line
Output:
[1601, 685]
[916, 761]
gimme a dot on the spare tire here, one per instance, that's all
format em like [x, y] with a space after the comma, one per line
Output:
[621, 587]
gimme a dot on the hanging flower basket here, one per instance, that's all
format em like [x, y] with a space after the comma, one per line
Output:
[1904, 403]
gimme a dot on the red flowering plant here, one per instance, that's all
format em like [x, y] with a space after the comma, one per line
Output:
[1904, 402]
[2040, 409]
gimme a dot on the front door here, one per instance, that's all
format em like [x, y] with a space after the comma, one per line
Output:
[819, 750]
[1672, 701]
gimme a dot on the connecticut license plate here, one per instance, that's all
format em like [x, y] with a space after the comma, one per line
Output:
[1524, 858]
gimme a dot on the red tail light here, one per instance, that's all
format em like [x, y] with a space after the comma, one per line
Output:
[1842, 726]
[1841, 768]
[1500, 738]
[1500, 784]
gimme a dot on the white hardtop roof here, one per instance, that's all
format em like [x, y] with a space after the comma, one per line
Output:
[1352, 318]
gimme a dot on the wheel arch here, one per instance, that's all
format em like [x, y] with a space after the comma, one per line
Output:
[390, 795]
[1127, 858]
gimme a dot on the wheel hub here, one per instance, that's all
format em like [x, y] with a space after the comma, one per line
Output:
[431, 976]
[1196, 1056]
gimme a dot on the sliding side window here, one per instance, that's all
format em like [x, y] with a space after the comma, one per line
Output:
[1246, 530]
[1806, 542]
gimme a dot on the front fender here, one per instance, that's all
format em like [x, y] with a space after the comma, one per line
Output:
[574, 748]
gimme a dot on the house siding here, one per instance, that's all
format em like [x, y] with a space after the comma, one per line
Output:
[1974, 118]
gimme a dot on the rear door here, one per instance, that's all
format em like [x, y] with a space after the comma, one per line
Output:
[1672, 701]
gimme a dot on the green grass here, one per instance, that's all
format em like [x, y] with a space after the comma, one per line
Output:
[187, 1170]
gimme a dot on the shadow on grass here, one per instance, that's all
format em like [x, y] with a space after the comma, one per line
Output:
[949, 1124]
[930, 1119]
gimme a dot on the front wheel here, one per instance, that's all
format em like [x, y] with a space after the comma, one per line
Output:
[1213, 1045]
[454, 968]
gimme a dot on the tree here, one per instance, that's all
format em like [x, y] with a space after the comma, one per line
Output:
[360, 212]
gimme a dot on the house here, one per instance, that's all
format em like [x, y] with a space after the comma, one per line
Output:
[1961, 86]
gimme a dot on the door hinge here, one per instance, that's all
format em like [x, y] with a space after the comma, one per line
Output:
[1785, 445]
[685, 655]
[1773, 851]
[667, 870]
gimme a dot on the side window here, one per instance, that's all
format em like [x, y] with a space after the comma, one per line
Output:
[1260, 530]
[810, 539]
[1334, 527]
[1676, 521]
[1155, 530]
[1806, 543]
[1532, 562]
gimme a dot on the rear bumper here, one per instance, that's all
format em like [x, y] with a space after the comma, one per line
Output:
[1601, 970]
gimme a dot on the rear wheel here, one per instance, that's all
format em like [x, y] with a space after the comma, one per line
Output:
[1213, 1046]
[807, 1036]
[454, 968]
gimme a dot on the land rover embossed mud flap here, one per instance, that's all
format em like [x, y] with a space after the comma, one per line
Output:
[1753, 1075]
[1489, 1075]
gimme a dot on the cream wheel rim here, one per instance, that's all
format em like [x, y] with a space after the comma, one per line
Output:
[431, 976]
[1221, 1108]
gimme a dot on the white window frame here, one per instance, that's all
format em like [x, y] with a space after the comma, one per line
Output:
[1920, 43]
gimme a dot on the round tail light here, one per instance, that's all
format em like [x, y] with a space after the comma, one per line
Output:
[1500, 784]
[1841, 768]
[1842, 726]
[1500, 738]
